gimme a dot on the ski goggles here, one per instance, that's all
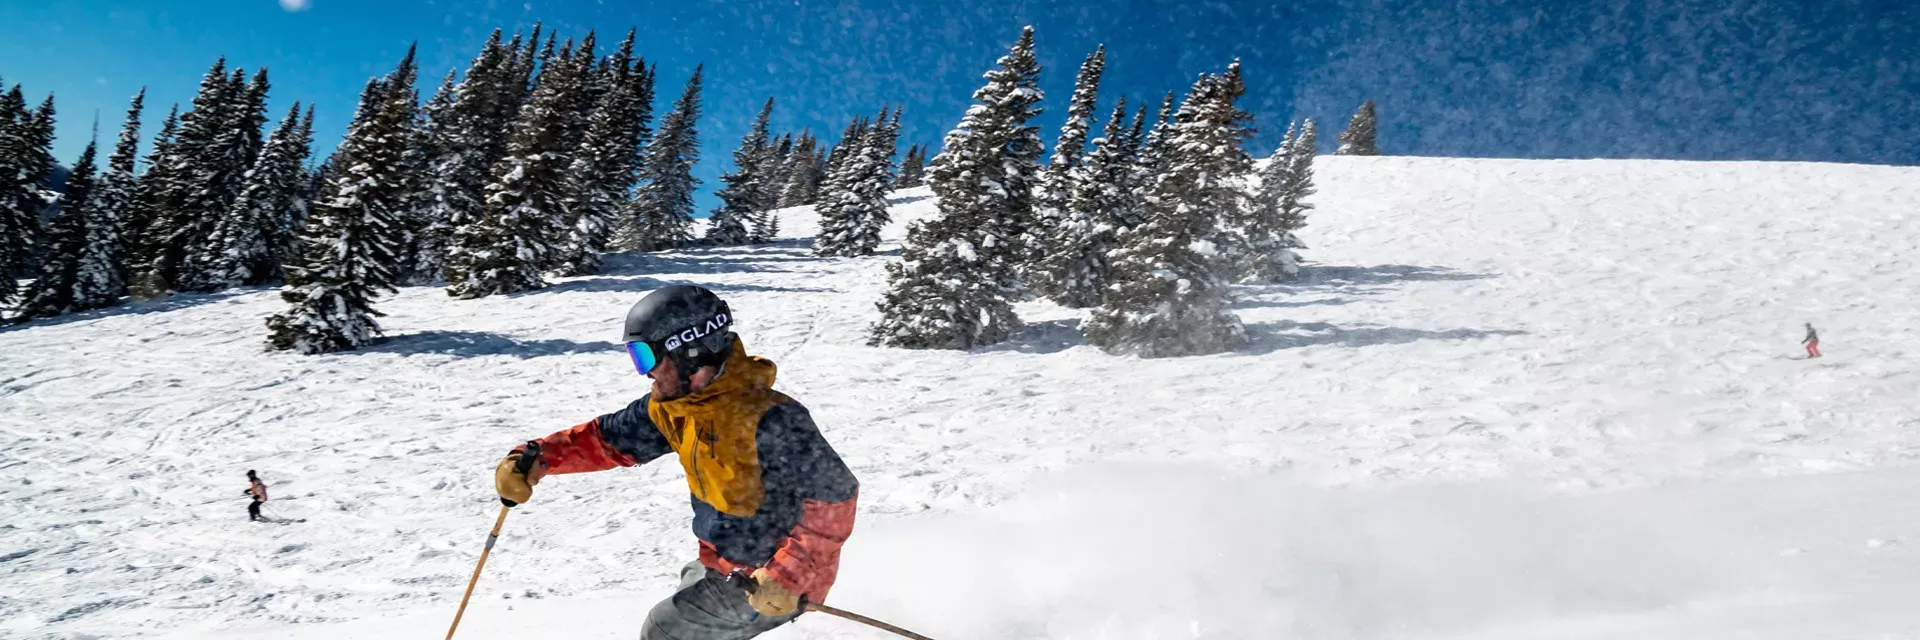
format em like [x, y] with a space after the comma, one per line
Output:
[644, 357]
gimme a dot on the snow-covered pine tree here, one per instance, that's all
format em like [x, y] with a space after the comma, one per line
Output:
[351, 245]
[774, 158]
[604, 170]
[850, 138]
[740, 193]
[1167, 296]
[464, 135]
[114, 204]
[15, 239]
[293, 220]
[1075, 271]
[586, 98]
[1358, 139]
[800, 166]
[25, 158]
[242, 245]
[1262, 261]
[427, 219]
[763, 226]
[64, 245]
[1293, 206]
[149, 205]
[178, 182]
[220, 174]
[955, 285]
[1055, 183]
[832, 200]
[662, 211]
[851, 195]
[519, 236]
[912, 168]
[860, 210]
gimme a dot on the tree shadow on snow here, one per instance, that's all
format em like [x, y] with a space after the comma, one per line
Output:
[1258, 303]
[644, 283]
[1046, 336]
[1345, 280]
[1383, 274]
[1275, 336]
[134, 308]
[470, 344]
[895, 202]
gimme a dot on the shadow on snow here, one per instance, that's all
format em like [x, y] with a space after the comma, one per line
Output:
[1276, 336]
[470, 344]
[134, 308]
[644, 283]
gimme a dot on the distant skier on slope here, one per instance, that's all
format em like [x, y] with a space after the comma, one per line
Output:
[771, 500]
[1812, 342]
[258, 490]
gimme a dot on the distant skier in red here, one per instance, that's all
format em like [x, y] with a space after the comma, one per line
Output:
[1812, 342]
[258, 491]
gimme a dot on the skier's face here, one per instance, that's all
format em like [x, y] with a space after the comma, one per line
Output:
[666, 380]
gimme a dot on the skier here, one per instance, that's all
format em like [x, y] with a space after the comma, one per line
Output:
[772, 502]
[258, 490]
[1812, 342]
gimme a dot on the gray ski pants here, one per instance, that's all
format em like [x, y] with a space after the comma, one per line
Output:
[706, 608]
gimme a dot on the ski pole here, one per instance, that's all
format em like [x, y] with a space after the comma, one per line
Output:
[745, 583]
[849, 615]
[527, 457]
[491, 537]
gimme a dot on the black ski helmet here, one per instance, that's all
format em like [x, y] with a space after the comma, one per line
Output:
[686, 323]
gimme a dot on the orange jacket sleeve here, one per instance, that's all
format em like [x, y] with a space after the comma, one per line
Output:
[623, 438]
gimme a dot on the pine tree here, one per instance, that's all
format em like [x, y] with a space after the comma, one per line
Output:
[763, 224]
[912, 168]
[1075, 270]
[798, 189]
[219, 174]
[604, 170]
[740, 197]
[955, 286]
[150, 203]
[774, 160]
[1055, 185]
[25, 158]
[353, 238]
[854, 211]
[1168, 296]
[181, 183]
[837, 191]
[662, 211]
[242, 246]
[110, 227]
[1280, 209]
[463, 132]
[52, 291]
[305, 184]
[1358, 139]
[506, 250]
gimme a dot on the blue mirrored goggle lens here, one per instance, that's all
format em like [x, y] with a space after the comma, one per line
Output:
[643, 358]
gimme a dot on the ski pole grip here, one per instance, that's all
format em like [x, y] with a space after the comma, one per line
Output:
[529, 455]
[742, 580]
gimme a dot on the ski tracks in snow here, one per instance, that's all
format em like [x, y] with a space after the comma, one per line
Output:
[1566, 325]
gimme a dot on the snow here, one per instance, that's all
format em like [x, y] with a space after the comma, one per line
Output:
[1505, 399]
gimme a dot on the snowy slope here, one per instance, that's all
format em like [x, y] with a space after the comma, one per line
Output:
[1508, 399]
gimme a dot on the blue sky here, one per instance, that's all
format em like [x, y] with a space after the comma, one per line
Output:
[1835, 80]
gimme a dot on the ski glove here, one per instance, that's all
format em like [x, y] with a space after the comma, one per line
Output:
[514, 486]
[769, 597]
